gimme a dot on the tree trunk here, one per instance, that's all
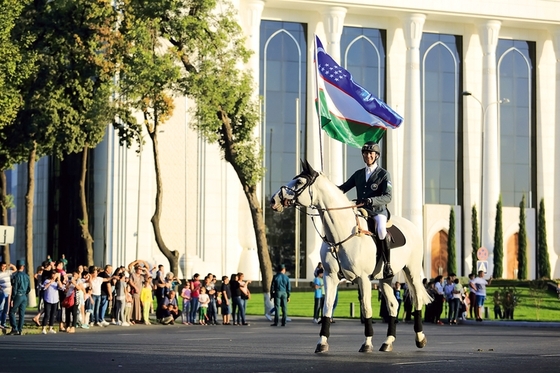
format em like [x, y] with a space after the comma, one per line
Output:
[32, 301]
[172, 256]
[84, 222]
[4, 212]
[254, 204]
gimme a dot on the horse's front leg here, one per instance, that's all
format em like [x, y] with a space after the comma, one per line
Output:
[365, 304]
[392, 306]
[331, 283]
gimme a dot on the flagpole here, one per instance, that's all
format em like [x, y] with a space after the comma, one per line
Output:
[318, 99]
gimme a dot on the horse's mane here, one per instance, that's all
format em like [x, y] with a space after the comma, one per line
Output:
[332, 190]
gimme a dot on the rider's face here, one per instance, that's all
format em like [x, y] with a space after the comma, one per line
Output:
[369, 157]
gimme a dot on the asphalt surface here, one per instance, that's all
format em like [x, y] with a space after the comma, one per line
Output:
[487, 346]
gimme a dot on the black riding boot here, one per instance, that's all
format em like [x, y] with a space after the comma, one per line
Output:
[386, 246]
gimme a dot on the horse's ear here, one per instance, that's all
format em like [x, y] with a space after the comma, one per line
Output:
[304, 165]
[310, 169]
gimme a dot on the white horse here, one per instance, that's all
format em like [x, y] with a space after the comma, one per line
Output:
[348, 250]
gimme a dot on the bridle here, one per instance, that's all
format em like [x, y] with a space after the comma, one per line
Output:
[296, 193]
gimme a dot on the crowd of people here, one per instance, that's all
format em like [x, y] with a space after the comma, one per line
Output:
[90, 296]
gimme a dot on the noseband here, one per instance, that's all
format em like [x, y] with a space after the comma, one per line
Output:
[296, 193]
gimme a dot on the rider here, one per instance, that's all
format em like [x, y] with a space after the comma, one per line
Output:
[374, 191]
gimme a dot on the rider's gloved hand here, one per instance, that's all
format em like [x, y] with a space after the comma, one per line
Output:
[365, 202]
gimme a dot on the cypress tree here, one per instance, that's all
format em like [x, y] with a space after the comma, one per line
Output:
[475, 240]
[451, 252]
[522, 249]
[498, 242]
[542, 246]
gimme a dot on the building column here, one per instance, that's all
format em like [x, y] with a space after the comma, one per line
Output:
[489, 32]
[556, 221]
[333, 20]
[251, 21]
[413, 185]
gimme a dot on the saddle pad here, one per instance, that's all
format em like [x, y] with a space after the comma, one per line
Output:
[397, 237]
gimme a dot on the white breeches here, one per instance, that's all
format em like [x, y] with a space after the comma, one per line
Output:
[380, 226]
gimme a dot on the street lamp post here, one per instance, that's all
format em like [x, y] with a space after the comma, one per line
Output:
[483, 169]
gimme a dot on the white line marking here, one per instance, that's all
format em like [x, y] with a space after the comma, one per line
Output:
[425, 362]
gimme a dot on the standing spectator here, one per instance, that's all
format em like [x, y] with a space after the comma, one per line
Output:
[226, 301]
[38, 276]
[236, 299]
[316, 272]
[161, 287]
[429, 315]
[455, 302]
[186, 295]
[20, 289]
[120, 297]
[136, 281]
[438, 300]
[280, 290]
[509, 305]
[245, 296]
[146, 299]
[480, 284]
[211, 292]
[398, 296]
[96, 282]
[319, 300]
[497, 306]
[204, 301]
[5, 291]
[407, 299]
[64, 262]
[51, 297]
[71, 314]
[171, 309]
[195, 292]
[472, 297]
[106, 293]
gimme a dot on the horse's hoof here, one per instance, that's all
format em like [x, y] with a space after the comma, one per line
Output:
[385, 347]
[422, 343]
[366, 348]
[321, 348]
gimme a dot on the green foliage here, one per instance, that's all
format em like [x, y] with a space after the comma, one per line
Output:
[451, 249]
[537, 290]
[498, 242]
[542, 246]
[522, 250]
[475, 240]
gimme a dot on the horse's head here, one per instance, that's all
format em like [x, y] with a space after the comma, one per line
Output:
[292, 192]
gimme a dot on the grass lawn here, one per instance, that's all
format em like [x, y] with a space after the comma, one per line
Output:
[301, 304]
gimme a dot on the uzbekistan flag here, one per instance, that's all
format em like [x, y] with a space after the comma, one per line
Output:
[348, 112]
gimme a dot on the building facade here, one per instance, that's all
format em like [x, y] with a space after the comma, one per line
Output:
[478, 85]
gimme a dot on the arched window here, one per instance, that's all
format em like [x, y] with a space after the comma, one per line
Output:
[283, 90]
[517, 121]
[363, 55]
[440, 73]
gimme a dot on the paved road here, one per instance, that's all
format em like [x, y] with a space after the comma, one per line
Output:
[261, 348]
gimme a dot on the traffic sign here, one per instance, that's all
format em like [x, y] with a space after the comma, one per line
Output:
[482, 253]
[6, 235]
[482, 265]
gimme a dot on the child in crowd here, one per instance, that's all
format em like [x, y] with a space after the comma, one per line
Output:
[204, 300]
[146, 299]
[186, 295]
[88, 306]
[128, 306]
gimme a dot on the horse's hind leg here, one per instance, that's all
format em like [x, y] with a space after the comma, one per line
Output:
[392, 305]
[420, 297]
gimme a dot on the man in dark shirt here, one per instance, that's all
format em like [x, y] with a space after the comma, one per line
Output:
[106, 293]
[280, 291]
[374, 190]
[20, 288]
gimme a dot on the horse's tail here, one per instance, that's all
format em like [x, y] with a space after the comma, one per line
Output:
[417, 290]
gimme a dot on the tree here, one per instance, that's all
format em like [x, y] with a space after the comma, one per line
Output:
[498, 242]
[451, 250]
[522, 249]
[207, 41]
[544, 261]
[66, 99]
[475, 240]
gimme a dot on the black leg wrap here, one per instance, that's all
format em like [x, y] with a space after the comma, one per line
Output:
[417, 321]
[325, 327]
[392, 327]
[368, 328]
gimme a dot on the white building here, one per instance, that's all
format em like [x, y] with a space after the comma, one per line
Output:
[451, 150]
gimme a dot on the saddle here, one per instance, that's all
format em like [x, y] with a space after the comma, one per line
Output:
[393, 232]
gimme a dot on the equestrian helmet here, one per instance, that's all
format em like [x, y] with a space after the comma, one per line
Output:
[371, 146]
